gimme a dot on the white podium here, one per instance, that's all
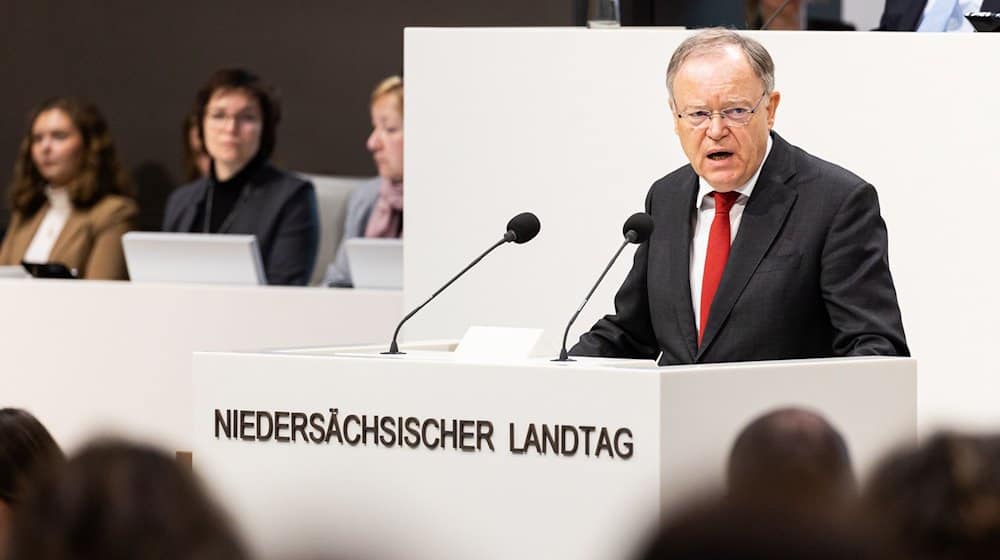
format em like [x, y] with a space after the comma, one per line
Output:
[423, 456]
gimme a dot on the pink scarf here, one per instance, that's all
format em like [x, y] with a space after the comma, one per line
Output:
[386, 219]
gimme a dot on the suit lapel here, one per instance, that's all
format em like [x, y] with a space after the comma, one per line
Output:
[74, 224]
[185, 222]
[679, 241]
[763, 217]
[21, 236]
[911, 17]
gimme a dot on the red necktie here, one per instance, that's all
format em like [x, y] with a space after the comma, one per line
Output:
[717, 254]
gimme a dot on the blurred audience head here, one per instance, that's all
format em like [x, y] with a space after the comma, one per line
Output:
[941, 500]
[724, 530]
[26, 451]
[238, 117]
[196, 160]
[386, 140]
[66, 144]
[792, 458]
[117, 501]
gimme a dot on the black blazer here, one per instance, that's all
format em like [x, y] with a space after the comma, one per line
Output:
[277, 207]
[901, 15]
[807, 276]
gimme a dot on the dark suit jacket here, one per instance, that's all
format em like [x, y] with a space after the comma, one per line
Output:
[277, 207]
[807, 276]
[901, 15]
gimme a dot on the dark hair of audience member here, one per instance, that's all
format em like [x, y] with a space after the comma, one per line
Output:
[727, 530]
[26, 448]
[228, 79]
[196, 159]
[792, 458]
[118, 501]
[101, 172]
[940, 501]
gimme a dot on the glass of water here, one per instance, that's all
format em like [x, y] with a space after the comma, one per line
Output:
[603, 13]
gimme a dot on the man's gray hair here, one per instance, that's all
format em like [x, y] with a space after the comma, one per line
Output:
[717, 38]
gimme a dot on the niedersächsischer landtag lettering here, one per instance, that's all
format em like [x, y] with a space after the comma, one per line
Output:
[572, 440]
[354, 429]
[466, 435]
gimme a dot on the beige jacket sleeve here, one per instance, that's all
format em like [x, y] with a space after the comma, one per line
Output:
[113, 218]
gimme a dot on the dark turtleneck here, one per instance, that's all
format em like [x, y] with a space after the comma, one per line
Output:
[225, 194]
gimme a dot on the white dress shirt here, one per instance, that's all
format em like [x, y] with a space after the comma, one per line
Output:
[52, 225]
[956, 20]
[702, 226]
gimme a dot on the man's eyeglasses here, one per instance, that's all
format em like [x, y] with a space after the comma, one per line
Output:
[732, 116]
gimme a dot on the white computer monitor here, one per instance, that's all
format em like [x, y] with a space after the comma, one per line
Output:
[376, 263]
[203, 258]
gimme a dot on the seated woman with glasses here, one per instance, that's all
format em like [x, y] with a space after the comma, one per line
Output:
[71, 198]
[243, 193]
[375, 209]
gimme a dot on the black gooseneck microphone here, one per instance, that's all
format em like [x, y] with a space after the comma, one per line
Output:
[637, 228]
[520, 229]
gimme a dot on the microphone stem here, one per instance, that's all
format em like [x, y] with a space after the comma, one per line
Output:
[770, 20]
[563, 354]
[394, 347]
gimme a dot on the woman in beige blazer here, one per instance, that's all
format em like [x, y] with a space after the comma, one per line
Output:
[71, 198]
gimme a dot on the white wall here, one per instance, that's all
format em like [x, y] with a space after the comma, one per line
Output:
[573, 124]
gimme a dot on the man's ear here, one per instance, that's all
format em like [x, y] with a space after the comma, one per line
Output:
[772, 107]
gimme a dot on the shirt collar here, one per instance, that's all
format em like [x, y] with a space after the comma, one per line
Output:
[58, 196]
[745, 190]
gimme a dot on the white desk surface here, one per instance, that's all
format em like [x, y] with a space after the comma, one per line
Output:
[93, 357]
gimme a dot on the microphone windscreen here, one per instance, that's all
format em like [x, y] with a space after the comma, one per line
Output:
[525, 227]
[641, 223]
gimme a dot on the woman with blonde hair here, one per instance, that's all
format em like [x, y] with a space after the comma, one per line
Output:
[71, 198]
[375, 209]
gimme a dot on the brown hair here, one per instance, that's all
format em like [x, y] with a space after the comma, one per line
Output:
[940, 500]
[393, 85]
[26, 450]
[101, 173]
[795, 459]
[117, 501]
[191, 171]
[228, 79]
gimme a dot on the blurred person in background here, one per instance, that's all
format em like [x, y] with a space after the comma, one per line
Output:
[725, 530]
[375, 209]
[940, 501]
[26, 451]
[71, 198]
[243, 193]
[197, 162]
[932, 15]
[117, 501]
[793, 459]
[790, 15]
[777, 14]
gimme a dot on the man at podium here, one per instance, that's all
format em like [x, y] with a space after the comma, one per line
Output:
[761, 251]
